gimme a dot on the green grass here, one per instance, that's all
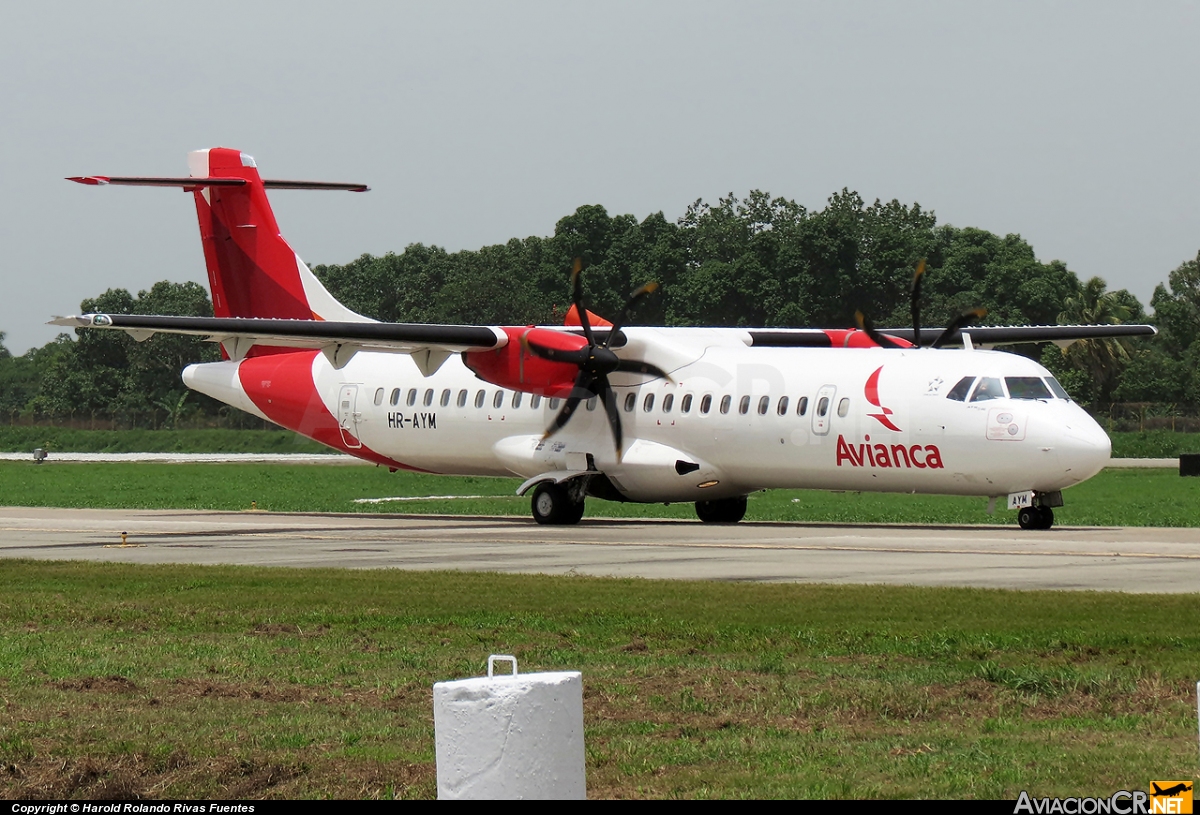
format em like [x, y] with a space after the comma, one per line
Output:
[192, 682]
[1154, 444]
[1113, 498]
[1150, 444]
[24, 439]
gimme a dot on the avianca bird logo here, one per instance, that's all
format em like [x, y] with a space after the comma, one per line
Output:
[871, 391]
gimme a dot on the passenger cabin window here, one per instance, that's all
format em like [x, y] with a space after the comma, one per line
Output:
[395, 398]
[744, 405]
[802, 406]
[989, 388]
[630, 402]
[648, 403]
[844, 407]
[428, 397]
[412, 397]
[498, 399]
[516, 402]
[823, 406]
[685, 404]
[706, 403]
[1027, 387]
[446, 397]
[379, 397]
[591, 403]
[462, 398]
[553, 403]
[535, 401]
[763, 404]
[959, 392]
[479, 397]
[668, 402]
[781, 409]
[726, 401]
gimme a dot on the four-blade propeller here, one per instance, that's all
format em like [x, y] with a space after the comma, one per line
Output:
[595, 361]
[884, 341]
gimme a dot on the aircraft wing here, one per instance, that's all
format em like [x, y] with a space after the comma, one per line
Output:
[338, 340]
[981, 336]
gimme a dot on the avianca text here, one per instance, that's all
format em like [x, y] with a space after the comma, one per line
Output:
[882, 455]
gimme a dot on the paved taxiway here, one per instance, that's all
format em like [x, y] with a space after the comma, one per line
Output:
[1109, 559]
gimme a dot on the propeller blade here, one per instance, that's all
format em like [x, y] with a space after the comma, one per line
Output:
[957, 323]
[614, 417]
[577, 296]
[578, 394]
[916, 302]
[634, 298]
[635, 366]
[865, 325]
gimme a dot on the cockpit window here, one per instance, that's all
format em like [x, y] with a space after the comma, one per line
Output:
[1058, 389]
[1027, 387]
[989, 388]
[959, 392]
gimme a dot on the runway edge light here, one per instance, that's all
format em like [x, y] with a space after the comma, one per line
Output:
[510, 736]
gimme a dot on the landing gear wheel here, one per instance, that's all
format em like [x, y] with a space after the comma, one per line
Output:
[1036, 518]
[552, 504]
[1047, 517]
[1029, 518]
[722, 511]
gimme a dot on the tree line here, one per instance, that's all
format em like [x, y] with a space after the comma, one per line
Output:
[757, 261]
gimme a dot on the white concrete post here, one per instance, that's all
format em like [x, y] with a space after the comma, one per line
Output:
[510, 737]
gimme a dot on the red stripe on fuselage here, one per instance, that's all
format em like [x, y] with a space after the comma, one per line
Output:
[281, 386]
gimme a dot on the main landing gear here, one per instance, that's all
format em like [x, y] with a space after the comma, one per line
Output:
[555, 504]
[722, 511]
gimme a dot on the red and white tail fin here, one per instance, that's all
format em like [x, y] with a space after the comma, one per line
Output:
[252, 271]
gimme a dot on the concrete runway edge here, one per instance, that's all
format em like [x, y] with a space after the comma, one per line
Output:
[1158, 560]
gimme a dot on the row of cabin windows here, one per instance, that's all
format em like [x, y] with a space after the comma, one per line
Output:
[686, 403]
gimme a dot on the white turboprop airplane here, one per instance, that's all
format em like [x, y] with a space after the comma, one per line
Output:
[704, 415]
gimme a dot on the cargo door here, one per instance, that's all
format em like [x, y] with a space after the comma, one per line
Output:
[348, 416]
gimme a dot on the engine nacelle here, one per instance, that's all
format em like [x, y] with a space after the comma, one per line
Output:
[515, 367]
[853, 338]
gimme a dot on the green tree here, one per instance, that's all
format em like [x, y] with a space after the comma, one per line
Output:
[1102, 359]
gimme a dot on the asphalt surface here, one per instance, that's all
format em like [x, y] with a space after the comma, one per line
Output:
[1078, 558]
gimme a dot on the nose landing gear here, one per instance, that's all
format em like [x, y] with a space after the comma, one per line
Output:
[1035, 517]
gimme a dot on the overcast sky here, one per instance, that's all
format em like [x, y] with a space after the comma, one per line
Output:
[1072, 124]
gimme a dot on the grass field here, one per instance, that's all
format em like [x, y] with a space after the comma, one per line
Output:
[22, 439]
[1113, 498]
[206, 682]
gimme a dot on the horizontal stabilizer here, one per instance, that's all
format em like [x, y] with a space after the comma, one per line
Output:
[190, 183]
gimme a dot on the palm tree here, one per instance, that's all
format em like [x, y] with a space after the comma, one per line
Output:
[1102, 359]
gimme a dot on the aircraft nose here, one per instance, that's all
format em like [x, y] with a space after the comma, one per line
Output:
[1083, 448]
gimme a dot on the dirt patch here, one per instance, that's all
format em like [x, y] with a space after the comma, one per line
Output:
[136, 776]
[97, 684]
